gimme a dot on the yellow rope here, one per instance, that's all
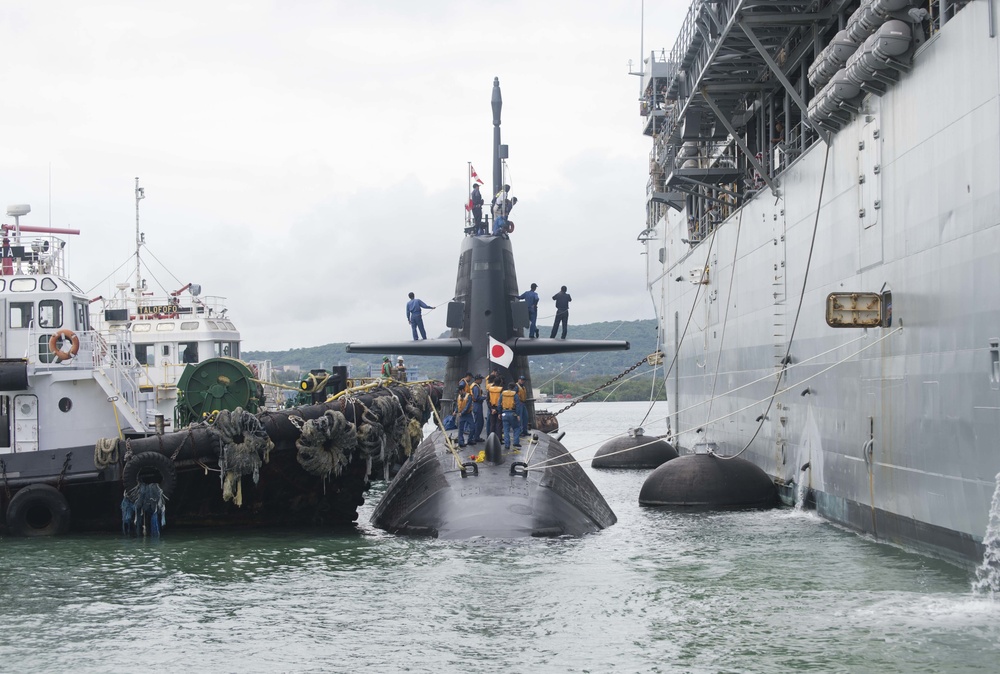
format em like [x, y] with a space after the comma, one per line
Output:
[121, 436]
[449, 443]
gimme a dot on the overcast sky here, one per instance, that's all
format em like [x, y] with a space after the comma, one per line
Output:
[308, 160]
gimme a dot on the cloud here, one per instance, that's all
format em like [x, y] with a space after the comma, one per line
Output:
[308, 160]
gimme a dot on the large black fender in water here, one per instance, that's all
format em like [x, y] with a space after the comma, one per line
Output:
[38, 510]
[707, 481]
[636, 451]
[147, 467]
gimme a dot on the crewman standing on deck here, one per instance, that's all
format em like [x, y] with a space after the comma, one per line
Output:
[414, 317]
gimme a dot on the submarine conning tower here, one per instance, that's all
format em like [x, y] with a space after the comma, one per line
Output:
[486, 305]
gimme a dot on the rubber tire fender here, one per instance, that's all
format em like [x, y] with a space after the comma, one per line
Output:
[151, 461]
[26, 503]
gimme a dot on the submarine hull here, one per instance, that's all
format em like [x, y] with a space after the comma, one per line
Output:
[553, 497]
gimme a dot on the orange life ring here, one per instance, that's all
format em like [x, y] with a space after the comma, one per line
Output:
[59, 337]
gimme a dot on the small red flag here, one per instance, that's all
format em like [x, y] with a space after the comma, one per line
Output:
[474, 175]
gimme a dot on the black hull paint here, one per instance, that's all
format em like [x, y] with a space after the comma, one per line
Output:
[554, 497]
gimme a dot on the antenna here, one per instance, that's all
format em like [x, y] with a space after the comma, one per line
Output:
[642, 32]
[140, 194]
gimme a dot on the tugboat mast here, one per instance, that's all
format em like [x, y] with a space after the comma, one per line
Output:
[140, 194]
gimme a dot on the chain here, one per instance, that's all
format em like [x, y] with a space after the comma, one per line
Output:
[6, 487]
[654, 358]
[65, 467]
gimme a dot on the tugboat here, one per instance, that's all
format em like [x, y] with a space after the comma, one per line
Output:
[85, 441]
[172, 330]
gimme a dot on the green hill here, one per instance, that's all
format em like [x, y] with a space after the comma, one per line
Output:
[566, 368]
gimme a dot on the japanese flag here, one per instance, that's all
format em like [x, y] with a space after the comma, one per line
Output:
[474, 175]
[500, 353]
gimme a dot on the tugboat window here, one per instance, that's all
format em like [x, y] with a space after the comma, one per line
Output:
[189, 352]
[23, 285]
[50, 314]
[189, 325]
[82, 318]
[164, 327]
[65, 404]
[49, 284]
[144, 354]
[20, 314]
[44, 354]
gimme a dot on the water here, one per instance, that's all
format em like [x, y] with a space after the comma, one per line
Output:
[657, 592]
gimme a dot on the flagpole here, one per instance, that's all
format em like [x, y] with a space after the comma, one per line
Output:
[468, 192]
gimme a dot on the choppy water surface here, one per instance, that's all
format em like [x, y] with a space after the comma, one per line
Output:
[658, 592]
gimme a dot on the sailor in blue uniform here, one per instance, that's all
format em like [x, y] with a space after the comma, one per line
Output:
[414, 317]
[531, 297]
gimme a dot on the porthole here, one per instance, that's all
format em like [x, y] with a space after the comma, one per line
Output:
[65, 404]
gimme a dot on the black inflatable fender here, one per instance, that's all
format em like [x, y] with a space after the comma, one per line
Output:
[25, 507]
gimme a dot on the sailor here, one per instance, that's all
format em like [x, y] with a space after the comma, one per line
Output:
[508, 404]
[400, 373]
[494, 387]
[414, 317]
[531, 297]
[562, 300]
[463, 413]
[477, 408]
[499, 206]
[386, 368]
[477, 210]
[522, 407]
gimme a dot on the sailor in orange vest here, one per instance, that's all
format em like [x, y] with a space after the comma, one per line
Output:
[463, 413]
[494, 388]
[508, 403]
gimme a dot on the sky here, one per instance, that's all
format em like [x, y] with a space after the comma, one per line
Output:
[308, 160]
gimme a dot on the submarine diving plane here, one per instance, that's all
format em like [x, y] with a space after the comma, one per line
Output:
[541, 491]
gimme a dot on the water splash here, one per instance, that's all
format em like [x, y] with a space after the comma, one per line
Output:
[801, 490]
[988, 573]
[802, 487]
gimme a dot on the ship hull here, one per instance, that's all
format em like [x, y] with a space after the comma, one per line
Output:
[433, 495]
[890, 430]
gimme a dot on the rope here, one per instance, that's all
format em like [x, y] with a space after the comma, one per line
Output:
[798, 309]
[651, 358]
[449, 443]
[105, 452]
[673, 436]
[694, 303]
[323, 443]
[117, 420]
[245, 446]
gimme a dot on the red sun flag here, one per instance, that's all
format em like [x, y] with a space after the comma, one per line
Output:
[468, 205]
[474, 175]
[500, 353]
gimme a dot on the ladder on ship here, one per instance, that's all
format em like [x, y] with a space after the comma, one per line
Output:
[116, 380]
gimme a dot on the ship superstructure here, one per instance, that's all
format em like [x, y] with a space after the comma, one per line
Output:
[823, 253]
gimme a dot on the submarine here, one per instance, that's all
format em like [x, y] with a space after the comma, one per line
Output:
[538, 491]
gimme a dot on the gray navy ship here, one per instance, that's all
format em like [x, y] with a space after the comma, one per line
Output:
[823, 251]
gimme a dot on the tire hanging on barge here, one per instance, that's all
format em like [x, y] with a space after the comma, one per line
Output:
[706, 481]
[38, 510]
[145, 468]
